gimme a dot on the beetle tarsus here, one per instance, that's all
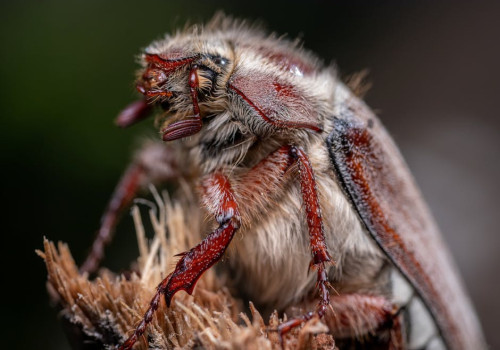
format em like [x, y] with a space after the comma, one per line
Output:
[323, 304]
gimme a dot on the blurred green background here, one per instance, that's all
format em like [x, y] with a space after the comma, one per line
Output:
[67, 68]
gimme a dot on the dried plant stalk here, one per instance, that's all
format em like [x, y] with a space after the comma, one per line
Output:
[107, 309]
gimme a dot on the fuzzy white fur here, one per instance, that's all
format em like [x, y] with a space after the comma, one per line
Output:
[270, 254]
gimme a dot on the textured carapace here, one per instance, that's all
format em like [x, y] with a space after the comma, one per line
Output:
[285, 155]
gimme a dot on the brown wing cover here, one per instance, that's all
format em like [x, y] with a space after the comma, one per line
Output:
[382, 190]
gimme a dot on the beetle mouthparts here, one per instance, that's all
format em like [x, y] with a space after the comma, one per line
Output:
[182, 128]
[153, 92]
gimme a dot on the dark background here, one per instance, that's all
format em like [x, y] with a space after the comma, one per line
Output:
[66, 69]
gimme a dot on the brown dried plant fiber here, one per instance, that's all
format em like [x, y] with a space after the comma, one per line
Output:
[106, 309]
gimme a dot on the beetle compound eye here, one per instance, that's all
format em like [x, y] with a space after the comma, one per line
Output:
[219, 60]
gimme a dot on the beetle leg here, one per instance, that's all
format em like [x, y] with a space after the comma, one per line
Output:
[357, 316]
[193, 263]
[313, 211]
[361, 316]
[318, 247]
[155, 163]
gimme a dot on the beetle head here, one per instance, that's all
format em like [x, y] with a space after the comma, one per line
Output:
[183, 80]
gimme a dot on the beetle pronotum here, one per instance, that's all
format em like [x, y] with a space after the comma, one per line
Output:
[287, 156]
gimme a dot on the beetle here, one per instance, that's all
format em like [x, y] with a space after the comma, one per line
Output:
[283, 153]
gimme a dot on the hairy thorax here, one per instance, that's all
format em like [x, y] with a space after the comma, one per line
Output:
[270, 255]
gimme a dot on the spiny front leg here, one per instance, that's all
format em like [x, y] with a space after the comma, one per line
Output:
[319, 250]
[190, 267]
[217, 190]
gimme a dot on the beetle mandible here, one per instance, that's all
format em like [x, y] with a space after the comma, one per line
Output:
[285, 155]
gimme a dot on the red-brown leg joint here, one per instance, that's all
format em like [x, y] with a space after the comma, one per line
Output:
[192, 264]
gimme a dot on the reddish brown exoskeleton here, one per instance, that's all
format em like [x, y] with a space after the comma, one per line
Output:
[288, 157]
